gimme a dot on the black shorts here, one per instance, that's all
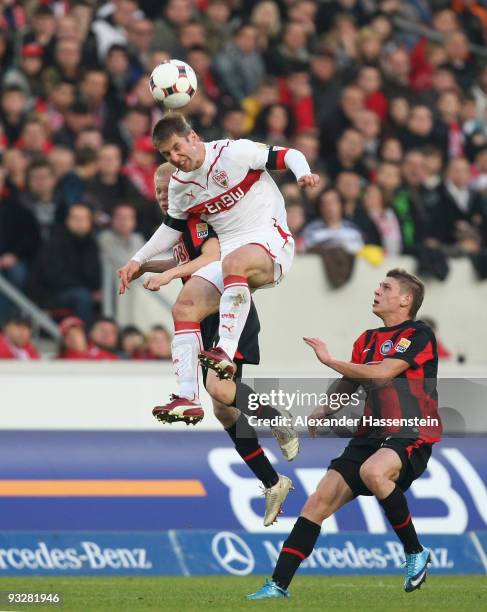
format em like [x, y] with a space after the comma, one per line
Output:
[414, 455]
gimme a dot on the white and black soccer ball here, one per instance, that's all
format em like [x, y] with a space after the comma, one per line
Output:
[173, 83]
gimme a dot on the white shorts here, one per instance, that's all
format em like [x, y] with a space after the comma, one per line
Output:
[280, 249]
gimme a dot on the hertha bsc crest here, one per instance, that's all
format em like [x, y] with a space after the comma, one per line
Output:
[221, 179]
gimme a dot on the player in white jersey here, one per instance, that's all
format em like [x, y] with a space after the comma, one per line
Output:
[228, 184]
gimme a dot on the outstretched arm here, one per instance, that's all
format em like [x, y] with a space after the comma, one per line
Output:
[163, 239]
[210, 251]
[383, 371]
[291, 159]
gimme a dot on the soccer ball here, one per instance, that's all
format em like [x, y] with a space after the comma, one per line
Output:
[173, 83]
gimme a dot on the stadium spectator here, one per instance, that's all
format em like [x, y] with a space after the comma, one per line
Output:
[61, 159]
[15, 164]
[74, 343]
[351, 102]
[111, 23]
[331, 228]
[296, 219]
[69, 266]
[19, 242]
[217, 22]
[158, 344]
[349, 186]
[233, 123]
[13, 111]
[89, 137]
[274, 125]
[110, 186]
[462, 218]
[141, 167]
[266, 18]
[132, 343]
[73, 186]
[325, 85]
[120, 242]
[378, 223]
[104, 336]
[16, 339]
[77, 118]
[349, 155]
[239, 66]
[334, 238]
[39, 195]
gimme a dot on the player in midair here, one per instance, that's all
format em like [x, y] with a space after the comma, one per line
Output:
[228, 184]
[197, 246]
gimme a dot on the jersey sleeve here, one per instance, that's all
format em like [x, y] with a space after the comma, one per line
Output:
[250, 153]
[357, 350]
[174, 210]
[416, 349]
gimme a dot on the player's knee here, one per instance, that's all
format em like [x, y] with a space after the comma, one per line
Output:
[234, 264]
[212, 386]
[224, 414]
[372, 476]
[317, 507]
[183, 310]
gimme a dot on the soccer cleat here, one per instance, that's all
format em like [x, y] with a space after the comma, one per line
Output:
[288, 440]
[416, 570]
[274, 499]
[269, 590]
[216, 359]
[179, 409]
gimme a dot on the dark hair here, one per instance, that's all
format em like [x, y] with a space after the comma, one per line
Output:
[85, 156]
[37, 162]
[412, 284]
[130, 329]
[172, 123]
[322, 194]
[106, 320]
[263, 117]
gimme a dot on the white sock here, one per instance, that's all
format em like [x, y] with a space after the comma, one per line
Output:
[185, 347]
[234, 310]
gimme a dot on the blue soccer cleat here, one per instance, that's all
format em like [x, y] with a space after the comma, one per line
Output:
[416, 567]
[270, 590]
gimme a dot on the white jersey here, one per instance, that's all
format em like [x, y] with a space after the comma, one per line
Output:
[233, 191]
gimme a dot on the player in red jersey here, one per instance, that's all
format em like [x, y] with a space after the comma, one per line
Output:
[228, 184]
[397, 366]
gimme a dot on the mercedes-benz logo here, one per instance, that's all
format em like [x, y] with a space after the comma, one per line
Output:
[232, 553]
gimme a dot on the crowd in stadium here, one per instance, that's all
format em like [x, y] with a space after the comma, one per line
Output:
[387, 99]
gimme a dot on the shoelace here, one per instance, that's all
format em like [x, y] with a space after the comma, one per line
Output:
[410, 564]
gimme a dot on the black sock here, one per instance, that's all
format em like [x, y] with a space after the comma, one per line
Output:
[248, 447]
[242, 402]
[397, 513]
[296, 548]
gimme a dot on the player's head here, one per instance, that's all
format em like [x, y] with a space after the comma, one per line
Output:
[400, 293]
[178, 143]
[162, 177]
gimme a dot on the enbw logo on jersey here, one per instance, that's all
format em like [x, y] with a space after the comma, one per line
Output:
[202, 230]
[386, 347]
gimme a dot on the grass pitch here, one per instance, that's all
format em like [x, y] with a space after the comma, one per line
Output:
[336, 594]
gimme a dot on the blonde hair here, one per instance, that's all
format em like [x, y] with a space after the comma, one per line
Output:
[164, 169]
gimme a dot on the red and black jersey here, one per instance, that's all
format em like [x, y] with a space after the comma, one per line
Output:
[411, 395]
[195, 233]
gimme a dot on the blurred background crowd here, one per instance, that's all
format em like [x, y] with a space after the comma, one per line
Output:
[386, 98]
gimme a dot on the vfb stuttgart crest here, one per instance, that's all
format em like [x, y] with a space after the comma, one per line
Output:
[221, 179]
